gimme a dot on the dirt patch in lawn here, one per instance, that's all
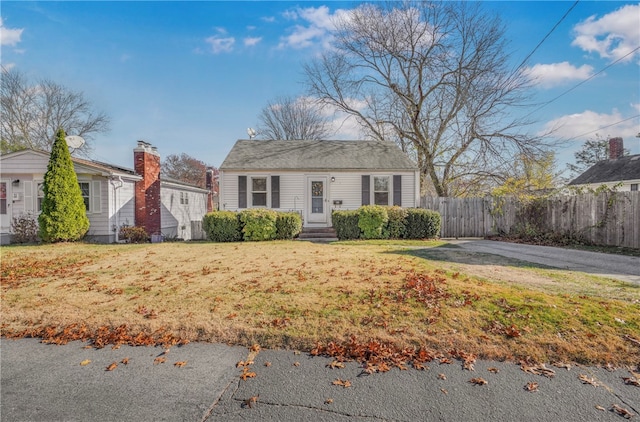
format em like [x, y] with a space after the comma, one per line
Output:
[311, 296]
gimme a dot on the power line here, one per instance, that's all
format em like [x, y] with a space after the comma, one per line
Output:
[603, 127]
[547, 36]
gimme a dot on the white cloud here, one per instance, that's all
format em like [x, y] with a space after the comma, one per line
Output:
[636, 107]
[554, 74]
[220, 44]
[9, 36]
[8, 66]
[251, 41]
[269, 19]
[316, 28]
[613, 35]
[588, 123]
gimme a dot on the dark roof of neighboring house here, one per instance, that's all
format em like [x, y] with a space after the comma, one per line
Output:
[617, 170]
[316, 155]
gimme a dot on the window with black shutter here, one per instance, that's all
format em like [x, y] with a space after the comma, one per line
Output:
[397, 190]
[366, 190]
[275, 191]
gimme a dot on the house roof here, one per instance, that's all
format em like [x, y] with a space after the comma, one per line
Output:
[316, 155]
[617, 170]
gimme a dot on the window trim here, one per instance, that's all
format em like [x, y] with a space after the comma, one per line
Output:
[265, 192]
[388, 191]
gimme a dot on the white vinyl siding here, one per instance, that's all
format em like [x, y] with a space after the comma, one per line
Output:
[177, 212]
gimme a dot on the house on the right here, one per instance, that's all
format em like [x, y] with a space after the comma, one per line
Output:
[619, 170]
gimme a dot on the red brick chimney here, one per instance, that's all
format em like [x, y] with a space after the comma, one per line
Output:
[147, 206]
[616, 148]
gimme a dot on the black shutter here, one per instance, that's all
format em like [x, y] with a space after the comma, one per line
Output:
[366, 190]
[397, 190]
[275, 191]
[242, 191]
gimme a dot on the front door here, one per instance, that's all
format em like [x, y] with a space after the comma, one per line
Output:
[317, 199]
[5, 206]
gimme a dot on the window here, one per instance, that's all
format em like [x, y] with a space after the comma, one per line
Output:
[381, 190]
[184, 198]
[84, 188]
[634, 187]
[40, 186]
[259, 191]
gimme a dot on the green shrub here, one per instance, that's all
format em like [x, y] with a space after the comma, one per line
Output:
[222, 226]
[345, 223]
[134, 234]
[372, 220]
[288, 225]
[422, 224]
[259, 224]
[64, 215]
[24, 229]
[397, 225]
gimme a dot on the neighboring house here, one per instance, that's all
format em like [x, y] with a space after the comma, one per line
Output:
[619, 170]
[316, 177]
[114, 196]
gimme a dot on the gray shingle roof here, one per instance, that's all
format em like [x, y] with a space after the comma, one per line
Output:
[623, 168]
[316, 155]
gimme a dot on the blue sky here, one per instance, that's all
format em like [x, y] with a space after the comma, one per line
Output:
[192, 76]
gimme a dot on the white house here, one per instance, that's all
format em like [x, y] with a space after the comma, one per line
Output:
[114, 196]
[316, 177]
[621, 171]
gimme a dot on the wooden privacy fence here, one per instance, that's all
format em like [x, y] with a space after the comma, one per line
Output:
[607, 218]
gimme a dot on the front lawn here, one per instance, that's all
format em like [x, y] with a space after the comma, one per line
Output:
[293, 294]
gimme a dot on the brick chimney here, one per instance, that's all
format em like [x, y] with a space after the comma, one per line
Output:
[147, 196]
[616, 148]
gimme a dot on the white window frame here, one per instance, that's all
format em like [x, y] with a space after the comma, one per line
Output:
[184, 198]
[91, 202]
[265, 192]
[388, 191]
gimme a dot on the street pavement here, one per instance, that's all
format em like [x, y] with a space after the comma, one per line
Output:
[42, 382]
[619, 267]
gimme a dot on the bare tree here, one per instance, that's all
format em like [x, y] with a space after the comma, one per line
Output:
[433, 77]
[31, 114]
[289, 118]
[186, 169]
[594, 150]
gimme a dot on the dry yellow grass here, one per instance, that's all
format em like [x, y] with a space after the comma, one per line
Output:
[294, 294]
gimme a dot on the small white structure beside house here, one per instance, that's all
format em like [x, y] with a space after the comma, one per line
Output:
[316, 177]
[114, 196]
[620, 171]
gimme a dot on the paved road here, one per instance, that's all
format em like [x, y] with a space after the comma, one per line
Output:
[620, 267]
[48, 383]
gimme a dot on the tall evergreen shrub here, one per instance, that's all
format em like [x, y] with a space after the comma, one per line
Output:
[64, 216]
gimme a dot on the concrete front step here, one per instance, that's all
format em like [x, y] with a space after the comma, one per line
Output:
[318, 234]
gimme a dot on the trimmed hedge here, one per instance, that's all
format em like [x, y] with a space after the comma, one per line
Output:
[422, 224]
[288, 225]
[222, 226]
[258, 224]
[397, 226]
[372, 220]
[345, 223]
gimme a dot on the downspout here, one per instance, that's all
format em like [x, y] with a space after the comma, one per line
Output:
[115, 205]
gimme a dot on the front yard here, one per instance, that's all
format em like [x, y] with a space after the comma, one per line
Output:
[297, 294]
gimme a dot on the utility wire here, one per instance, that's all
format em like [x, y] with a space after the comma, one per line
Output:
[547, 36]
[603, 127]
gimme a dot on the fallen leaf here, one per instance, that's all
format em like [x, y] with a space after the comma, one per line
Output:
[531, 386]
[255, 348]
[343, 383]
[244, 363]
[586, 380]
[538, 370]
[251, 400]
[111, 367]
[335, 364]
[444, 391]
[493, 370]
[247, 373]
[85, 362]
[600, 408]
[631, 381]
[442, 376]
[180, 364]
[562, 365]
[478, 381]
[328, 401]
[621, 411]
[419, 366]
[159, 360]
[296, 363]
[445, 361]
[125, 361]
[267, 364]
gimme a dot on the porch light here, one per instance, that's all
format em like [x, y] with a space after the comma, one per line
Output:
[333, 178]
[15, 182]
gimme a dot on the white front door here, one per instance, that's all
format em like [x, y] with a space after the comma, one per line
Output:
[5, 205]
[317, 209]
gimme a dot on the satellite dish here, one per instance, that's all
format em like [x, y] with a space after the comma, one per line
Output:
[252, 133]
[74, 141]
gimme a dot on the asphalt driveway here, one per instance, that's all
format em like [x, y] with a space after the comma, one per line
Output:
[619, 267]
